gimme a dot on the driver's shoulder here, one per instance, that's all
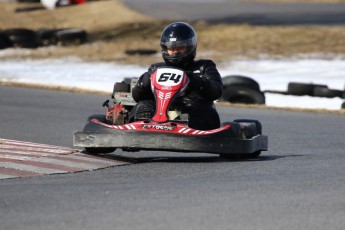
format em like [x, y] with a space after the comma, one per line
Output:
[201, 62]
[157, 65]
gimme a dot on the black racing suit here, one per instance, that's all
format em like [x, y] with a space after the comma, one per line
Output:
[204, 88]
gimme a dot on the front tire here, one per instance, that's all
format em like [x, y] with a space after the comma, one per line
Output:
[95, 150]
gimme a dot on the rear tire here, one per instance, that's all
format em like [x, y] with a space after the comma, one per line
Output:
[243, 128]
[255, 154]
[254, 126]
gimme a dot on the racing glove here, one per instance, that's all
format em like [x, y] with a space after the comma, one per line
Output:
[195, 82]
[144, 81]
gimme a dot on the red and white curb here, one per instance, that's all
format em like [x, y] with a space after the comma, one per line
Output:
[26, 159]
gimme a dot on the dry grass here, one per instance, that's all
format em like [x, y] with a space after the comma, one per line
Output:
[253, 41]
[101, 15]
[113, 28]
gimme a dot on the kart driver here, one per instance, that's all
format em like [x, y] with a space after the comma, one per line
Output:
[179, 43]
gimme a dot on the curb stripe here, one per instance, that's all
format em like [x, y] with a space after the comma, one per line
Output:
[22, 143]
[42, 165]
[45, 150]
[30, 168]
[82, 160]
[90, 158]
[14, 172]
[26, 159]
[21, 154]
[70, 166]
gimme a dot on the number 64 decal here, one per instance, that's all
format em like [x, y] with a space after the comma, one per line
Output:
[169, 76]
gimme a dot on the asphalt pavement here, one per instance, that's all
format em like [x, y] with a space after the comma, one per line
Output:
[298, 184]
[237, 11]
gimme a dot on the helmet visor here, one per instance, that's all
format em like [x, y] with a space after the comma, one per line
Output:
[178, 48]
[172, 43]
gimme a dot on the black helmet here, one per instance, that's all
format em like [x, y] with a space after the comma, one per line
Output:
[176, 35]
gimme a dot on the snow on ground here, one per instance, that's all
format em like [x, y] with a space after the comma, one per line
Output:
[271, 75]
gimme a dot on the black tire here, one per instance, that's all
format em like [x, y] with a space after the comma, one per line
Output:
[29, 1]
[4, 41]
[243, 95]
[23, 38]
[255, 154]
[343, 105]
[140, 51]
[250, 127]
[68, 37]
[237, 80]
[29, 9]
[144, 110]
[326, 92]
[47, 37]
[96, 150]
[301, 89]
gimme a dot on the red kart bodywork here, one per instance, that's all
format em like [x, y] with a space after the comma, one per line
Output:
[162, 133]
[169, 127]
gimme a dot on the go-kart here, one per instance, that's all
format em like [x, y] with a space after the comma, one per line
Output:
[167, 129]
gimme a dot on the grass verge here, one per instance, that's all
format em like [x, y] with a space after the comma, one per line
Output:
[113, 28]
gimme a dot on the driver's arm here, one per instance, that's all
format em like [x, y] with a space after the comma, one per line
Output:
[209, 85]
[142, 90]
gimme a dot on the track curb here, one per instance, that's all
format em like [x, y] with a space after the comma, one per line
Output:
[28, 159]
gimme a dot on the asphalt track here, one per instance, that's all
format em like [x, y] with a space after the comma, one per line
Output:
[298, 184]
[243, 11]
